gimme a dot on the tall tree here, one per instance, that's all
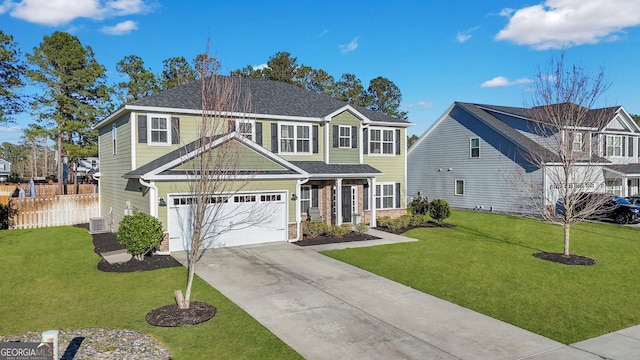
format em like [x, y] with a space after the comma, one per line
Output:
[205, 65]
[282, 67]
[176, 71]
[317, 81]
[411, 140]
[636, 118]
[141, 82]
[562, 117]
[249, 72]
[74, 95]
[349, 88]
[384, 96]
[11, 71]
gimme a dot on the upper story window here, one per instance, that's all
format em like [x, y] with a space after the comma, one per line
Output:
[382, 141]
[114, 137]
[576, 142]
[474, 147]
[246, 128]
[613, 145]
[159, 129]
[295, 139]
[344, 136]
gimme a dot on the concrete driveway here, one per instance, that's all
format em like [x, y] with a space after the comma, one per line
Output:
[325, 309]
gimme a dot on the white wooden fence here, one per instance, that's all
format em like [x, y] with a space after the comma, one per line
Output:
[53, 211]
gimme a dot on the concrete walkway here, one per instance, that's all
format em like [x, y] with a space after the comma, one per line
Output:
[326, 309]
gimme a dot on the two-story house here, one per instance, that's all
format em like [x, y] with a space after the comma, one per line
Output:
[475, 156]
[305, 150]
[5, 170]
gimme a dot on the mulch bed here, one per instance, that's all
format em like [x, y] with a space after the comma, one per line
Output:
[430, 224]
[576, 260]
[321, 240]
[105, 242]
[172, 316]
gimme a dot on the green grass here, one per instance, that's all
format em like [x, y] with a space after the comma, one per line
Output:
[49, 280]
[485, 263]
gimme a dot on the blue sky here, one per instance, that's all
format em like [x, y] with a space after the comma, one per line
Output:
[436, 52]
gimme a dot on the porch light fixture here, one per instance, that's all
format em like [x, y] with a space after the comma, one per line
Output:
[294, 197]
[161, 201]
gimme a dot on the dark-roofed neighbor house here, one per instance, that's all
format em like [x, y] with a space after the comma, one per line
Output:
[308, 151]
[5, 170]
[471, 154]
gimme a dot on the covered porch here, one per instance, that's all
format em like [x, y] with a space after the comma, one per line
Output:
[337, 193]
[623, 179]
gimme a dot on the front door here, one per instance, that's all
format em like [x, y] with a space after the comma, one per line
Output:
[346, 204]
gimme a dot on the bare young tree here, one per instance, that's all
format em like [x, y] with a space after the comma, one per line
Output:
[217, 173]
[566, 128]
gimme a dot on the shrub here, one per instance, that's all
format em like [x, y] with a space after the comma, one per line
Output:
[419, 205]
[417, 220]
[314, 228]
[6, 212]
[339, 231]
[439, 210]
[384, 222]
[140, 233]
[361, 228]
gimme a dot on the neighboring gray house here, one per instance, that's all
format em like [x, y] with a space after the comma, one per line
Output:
[470, 157]
[5, 170]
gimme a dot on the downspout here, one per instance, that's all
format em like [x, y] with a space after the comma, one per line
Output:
[299, 183]
[153, 197]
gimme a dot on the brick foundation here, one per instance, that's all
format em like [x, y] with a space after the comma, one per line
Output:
[293, 231]
[164, 244]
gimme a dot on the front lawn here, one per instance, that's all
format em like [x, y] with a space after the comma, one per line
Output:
[485, 263]
[49, 280]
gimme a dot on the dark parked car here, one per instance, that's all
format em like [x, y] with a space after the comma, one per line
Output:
[635, 200]
[611, 207]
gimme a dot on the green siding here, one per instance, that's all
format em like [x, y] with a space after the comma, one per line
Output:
[114, 193]
[266, 142]
[248, 159]
[393, 166]
[344, 155]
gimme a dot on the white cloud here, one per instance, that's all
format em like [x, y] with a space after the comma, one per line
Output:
[466, 35]
[501, 81]
[565, 23]
[10, 129]
[122, 28]
[323, 33]
[58, 12]
[260, 67]
[350, 46]
[425, 104]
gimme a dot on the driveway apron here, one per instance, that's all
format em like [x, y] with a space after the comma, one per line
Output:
[326, 309]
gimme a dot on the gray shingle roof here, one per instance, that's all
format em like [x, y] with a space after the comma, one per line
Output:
[322, 168]
[628, 169]
[267, 97]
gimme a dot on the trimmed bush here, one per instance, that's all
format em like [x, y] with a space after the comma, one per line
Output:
[140, 233]
[419, 206]
[314, 228]
[439, 210]
[361, 227]
[339, 231]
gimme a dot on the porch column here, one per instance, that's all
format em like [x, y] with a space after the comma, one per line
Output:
[372, 203]
[338, 201]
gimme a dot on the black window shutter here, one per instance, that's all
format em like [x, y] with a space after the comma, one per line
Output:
[623, 145]
[365, 141]
[354, 137]
[274, 138]
[142, 129]
[365, 196]
[335, 136]
[259, 133]
[315, 138]
[397, 195]
[314, 196]
[397, 141]
[231, 125]
[175, 130]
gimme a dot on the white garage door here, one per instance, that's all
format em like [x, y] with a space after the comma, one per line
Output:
[241, 219]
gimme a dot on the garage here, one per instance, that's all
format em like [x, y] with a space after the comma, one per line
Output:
[242, 219]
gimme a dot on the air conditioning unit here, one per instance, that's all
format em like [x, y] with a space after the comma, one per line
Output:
[98, 225]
